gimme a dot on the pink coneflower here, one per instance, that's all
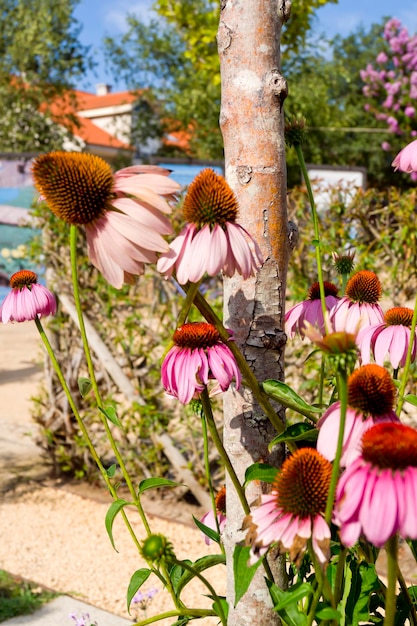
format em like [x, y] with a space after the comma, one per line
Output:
[389, 339]
[310, 310]
[197, 356]
[27, 300]
[359, 307]
[123, 214]
[212, 241]
[208, 518]
[293, 511]
[377, 495]
[371, 396]
[406, 160]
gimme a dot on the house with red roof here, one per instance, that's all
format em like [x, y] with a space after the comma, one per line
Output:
[102, 124]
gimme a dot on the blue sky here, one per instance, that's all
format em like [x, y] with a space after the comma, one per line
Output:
[107, 17]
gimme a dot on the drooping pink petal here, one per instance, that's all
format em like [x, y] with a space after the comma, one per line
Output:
[131, 170]
[185, 259]
[151, 217]
[162, 185]
[130, 186]
[100, 258]
[409, 524]
[142, 236]
[218, 251]
[379, 514]
[241, 251]
[406, 159]
[167, 260]
[199, 254]
[399, 345]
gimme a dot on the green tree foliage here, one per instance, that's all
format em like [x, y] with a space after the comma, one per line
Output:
[176, 57]
[40, 57]
[326, 88]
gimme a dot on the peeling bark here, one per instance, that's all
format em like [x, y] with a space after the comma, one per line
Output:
[252, 123]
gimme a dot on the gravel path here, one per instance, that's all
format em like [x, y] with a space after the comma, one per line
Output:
[57, 537]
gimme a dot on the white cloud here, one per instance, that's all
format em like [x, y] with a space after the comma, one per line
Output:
[116, 17]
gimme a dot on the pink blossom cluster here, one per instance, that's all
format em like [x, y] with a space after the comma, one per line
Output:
[390, 84]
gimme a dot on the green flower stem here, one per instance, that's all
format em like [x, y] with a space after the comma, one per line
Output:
[248, 376]
[322, 375]
[406, 369]
[300, 156]
[81, 425]
[208, 475]
[391, 548]
[188, 302]
[320, 582]
[344, 282]
[195, 613]
[340, 569]
[343, 397]
[87, 352]
[208, 414]
[205, 582]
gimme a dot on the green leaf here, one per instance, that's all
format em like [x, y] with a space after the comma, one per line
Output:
[288, 397]
[296, 432]
[110, 412]
[328, 613]
[260, 471]
[175, 574]
[153, 483]
[293, 595]
[291, 615]
[114, 509]
[243, 572]
[211, 534]
[364, 582]
[200, 565]
[110, 471]
[411, 399]
[84, 386]
[224, 604]
[136, 582]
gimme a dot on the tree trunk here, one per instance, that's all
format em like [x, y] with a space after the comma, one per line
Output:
[252, 124]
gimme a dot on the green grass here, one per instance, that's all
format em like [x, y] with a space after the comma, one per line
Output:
[19, 597]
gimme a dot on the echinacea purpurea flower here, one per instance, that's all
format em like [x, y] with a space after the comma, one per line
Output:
[294, 510]
[27, 299]
[212, 241]
[124, 214]
[197, 356]
[377, 495]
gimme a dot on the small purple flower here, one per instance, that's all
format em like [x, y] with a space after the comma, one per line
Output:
[381, 58]
[84, 620]
[144, 598]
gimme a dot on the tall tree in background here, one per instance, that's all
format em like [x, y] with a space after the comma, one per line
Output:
[252, 124]
[326, 87]
[40, 57]
[176, 57]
